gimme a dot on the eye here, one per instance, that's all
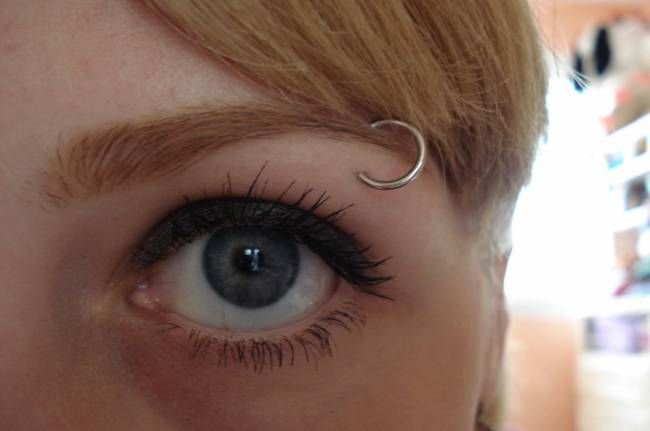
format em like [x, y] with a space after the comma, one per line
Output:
[248, 264]
[244, 278]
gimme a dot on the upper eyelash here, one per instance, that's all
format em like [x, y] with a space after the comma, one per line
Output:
[320, 234]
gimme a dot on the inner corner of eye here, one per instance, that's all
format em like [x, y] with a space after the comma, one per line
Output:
[142, 298]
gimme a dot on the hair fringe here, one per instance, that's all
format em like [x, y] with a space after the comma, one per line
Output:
[468, 74]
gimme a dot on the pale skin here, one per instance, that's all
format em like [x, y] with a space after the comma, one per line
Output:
[79, 353]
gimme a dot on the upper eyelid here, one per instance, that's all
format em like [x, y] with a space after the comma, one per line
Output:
[251, 193]
[188, 213]
[351, 263]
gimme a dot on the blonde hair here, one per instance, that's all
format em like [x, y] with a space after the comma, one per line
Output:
[468, 74]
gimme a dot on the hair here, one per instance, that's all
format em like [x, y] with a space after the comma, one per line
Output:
[468, 74]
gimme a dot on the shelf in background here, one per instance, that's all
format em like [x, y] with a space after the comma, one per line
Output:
[622, 141]
[631, 133]
[630, 170]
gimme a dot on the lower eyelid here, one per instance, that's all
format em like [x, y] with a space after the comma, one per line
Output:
[309, 340]
[308, 345]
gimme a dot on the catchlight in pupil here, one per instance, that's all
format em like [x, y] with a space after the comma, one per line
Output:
[249, 259]
[250, 268]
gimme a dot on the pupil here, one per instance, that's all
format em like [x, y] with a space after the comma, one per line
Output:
[249, 259]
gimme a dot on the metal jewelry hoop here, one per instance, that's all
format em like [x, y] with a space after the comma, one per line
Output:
[413, 173]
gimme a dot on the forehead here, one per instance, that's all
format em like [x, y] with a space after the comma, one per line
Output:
[77, 64]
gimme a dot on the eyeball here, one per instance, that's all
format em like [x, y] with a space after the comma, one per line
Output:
[242, 278]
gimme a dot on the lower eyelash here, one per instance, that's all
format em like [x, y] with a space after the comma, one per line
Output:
[258, 354]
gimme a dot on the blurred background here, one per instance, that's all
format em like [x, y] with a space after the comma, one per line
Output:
[578, 285]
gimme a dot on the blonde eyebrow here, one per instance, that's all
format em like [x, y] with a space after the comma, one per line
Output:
[121, 155]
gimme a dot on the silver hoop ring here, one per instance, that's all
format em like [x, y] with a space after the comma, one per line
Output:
[412, 174]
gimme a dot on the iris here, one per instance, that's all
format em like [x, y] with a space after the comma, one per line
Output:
[249, 267]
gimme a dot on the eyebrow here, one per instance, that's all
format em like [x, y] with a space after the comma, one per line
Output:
[120, 155]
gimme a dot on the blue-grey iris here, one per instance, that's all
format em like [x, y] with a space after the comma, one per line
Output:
[250, 268]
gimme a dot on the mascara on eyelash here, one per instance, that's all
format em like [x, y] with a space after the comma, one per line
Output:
[320, 234]
[260, 354]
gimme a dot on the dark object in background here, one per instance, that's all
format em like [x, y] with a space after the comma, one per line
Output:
[600, 58]
[619, 46]
[603, 52]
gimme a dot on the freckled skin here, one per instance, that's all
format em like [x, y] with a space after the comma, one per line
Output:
[77, 355]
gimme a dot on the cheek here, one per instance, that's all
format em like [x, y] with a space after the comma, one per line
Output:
[433, 357]
[201, 393]
[417, 360]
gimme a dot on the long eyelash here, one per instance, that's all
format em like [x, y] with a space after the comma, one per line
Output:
[339, 249]
[259, 354]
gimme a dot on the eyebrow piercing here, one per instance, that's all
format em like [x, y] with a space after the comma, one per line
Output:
[415, 170]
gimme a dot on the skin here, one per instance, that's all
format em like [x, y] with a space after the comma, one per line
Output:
[78, 354]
